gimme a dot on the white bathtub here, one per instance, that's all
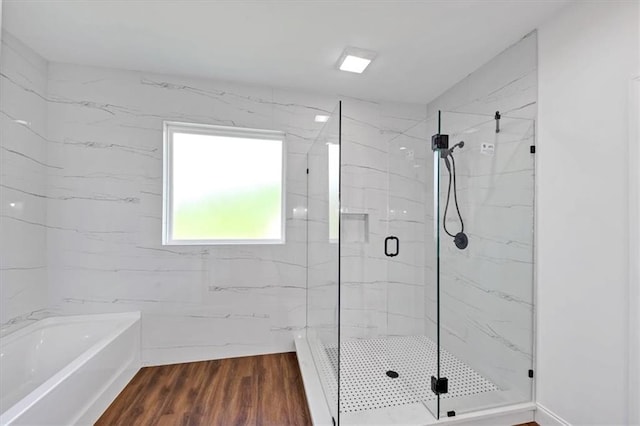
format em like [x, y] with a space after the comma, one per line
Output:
[67, 370]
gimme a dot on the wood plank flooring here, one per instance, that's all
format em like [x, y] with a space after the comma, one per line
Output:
[257, 390]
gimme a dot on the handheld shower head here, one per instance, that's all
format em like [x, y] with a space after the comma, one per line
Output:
[447, 162]
[458, 145]
[447, 152]
[460, 239]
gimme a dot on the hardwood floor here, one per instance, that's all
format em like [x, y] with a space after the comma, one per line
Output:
[257, 390]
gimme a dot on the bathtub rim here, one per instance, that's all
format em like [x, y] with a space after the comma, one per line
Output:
[81, 359]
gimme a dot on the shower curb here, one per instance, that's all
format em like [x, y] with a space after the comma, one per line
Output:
[320, 414]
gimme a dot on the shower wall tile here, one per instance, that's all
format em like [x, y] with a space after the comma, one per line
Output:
[92, 160]
[373, 301]
[322, 250]
[23, 168]
[105, 211]
[406, 220]
[487, 290]
[507, 83]
[105, 202]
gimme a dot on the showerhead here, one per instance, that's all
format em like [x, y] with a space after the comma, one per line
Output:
[447, 152]
[460, 239]
[458, 145]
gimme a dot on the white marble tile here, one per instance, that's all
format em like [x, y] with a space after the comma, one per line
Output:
[367, 277]
[507, 83]
[486, 294]
[103, 199]
[90, 183]
[23, 168]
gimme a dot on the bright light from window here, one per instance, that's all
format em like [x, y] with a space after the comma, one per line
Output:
[224, 185]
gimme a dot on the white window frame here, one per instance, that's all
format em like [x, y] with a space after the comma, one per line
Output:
[169, 129]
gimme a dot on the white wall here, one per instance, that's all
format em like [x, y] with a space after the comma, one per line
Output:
[23, 82]
[104, 214]
[634, 247]
[104, 209]
[99, 205]
[587, 55]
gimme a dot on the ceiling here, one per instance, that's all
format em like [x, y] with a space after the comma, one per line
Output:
[423, 47]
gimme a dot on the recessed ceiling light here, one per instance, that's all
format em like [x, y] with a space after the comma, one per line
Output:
[355, 60]
[322, 118]
[354, 64]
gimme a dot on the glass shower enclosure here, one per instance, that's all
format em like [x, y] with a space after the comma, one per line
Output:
[420, 265]
[323, 257]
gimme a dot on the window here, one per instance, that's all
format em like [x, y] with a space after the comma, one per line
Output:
[222, 185]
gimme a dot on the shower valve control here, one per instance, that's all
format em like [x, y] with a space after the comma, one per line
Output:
[439, 141]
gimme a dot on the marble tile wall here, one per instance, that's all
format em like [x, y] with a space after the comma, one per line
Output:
[322, 248]
[101, 188]
[368, 128]
[410, 172]
[374, 299]
[487, 289]
[99, 168]
[104, 214]
[506, 83]
[23, 169]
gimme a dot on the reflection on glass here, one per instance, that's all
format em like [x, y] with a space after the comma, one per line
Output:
[322, 223]
[485, 291]
[334, 201]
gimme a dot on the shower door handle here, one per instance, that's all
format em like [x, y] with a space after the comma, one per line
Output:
[386, 246]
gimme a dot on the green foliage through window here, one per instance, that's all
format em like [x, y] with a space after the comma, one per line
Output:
[225, 185]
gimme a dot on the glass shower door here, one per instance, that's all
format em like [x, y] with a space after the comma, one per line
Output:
[323, 257]
[484, 181]
[411, 348]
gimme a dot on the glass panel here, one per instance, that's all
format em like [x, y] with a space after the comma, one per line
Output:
[362, 267]
[411, 343]
[323, 256]
[433, 262]
[485, 197]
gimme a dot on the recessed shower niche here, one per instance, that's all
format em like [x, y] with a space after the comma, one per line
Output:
[354, 227]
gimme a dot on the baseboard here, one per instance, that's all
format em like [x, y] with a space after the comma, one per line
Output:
[167, 356]
[546, 417]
